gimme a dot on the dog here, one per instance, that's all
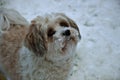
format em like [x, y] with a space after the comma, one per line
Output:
[46, 47]
[12, 33]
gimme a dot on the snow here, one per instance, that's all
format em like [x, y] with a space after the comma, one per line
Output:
[98, 52]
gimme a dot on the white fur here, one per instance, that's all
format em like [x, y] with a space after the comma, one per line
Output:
[56, 63]
[37, 68]
[53, 66]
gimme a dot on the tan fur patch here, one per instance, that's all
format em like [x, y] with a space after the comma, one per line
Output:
[11, 42]
[35, 40]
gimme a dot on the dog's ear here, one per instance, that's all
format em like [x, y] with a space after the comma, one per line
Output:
[35, 39]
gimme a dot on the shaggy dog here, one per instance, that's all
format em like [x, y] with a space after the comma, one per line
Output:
[44, 50]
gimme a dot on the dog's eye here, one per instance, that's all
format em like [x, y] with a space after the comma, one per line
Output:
[51, 32]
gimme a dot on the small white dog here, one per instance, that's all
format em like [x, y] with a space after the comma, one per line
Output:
[47, 47]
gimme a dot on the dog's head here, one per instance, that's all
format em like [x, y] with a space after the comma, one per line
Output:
[52, 35]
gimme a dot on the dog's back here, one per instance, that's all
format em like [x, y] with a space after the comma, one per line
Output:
[12, 32]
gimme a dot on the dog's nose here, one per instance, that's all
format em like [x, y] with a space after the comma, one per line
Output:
[66, 33]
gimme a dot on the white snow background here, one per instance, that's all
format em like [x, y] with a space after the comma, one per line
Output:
[98, 52]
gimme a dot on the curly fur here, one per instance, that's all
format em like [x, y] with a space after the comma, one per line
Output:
[43, 51]
[47, 54]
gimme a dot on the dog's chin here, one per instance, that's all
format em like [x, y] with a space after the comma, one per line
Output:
[66, 45]
[61, 49]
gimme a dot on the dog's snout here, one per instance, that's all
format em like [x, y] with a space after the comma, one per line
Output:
[66, 33]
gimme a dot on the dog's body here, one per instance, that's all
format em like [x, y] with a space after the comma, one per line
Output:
[35, 68]
[46, 48]
[12, 33]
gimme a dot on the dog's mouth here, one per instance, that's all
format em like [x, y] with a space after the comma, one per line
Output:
[63, 49]
[65, 44]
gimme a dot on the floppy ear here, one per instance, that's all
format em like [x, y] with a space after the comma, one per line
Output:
[35, 39]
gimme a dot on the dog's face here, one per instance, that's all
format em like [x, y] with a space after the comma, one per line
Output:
[54, 36]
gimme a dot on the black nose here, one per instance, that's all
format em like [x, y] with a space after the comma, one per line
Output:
[66, 33]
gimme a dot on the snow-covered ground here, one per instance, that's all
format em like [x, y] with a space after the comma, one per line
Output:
[98, 53]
